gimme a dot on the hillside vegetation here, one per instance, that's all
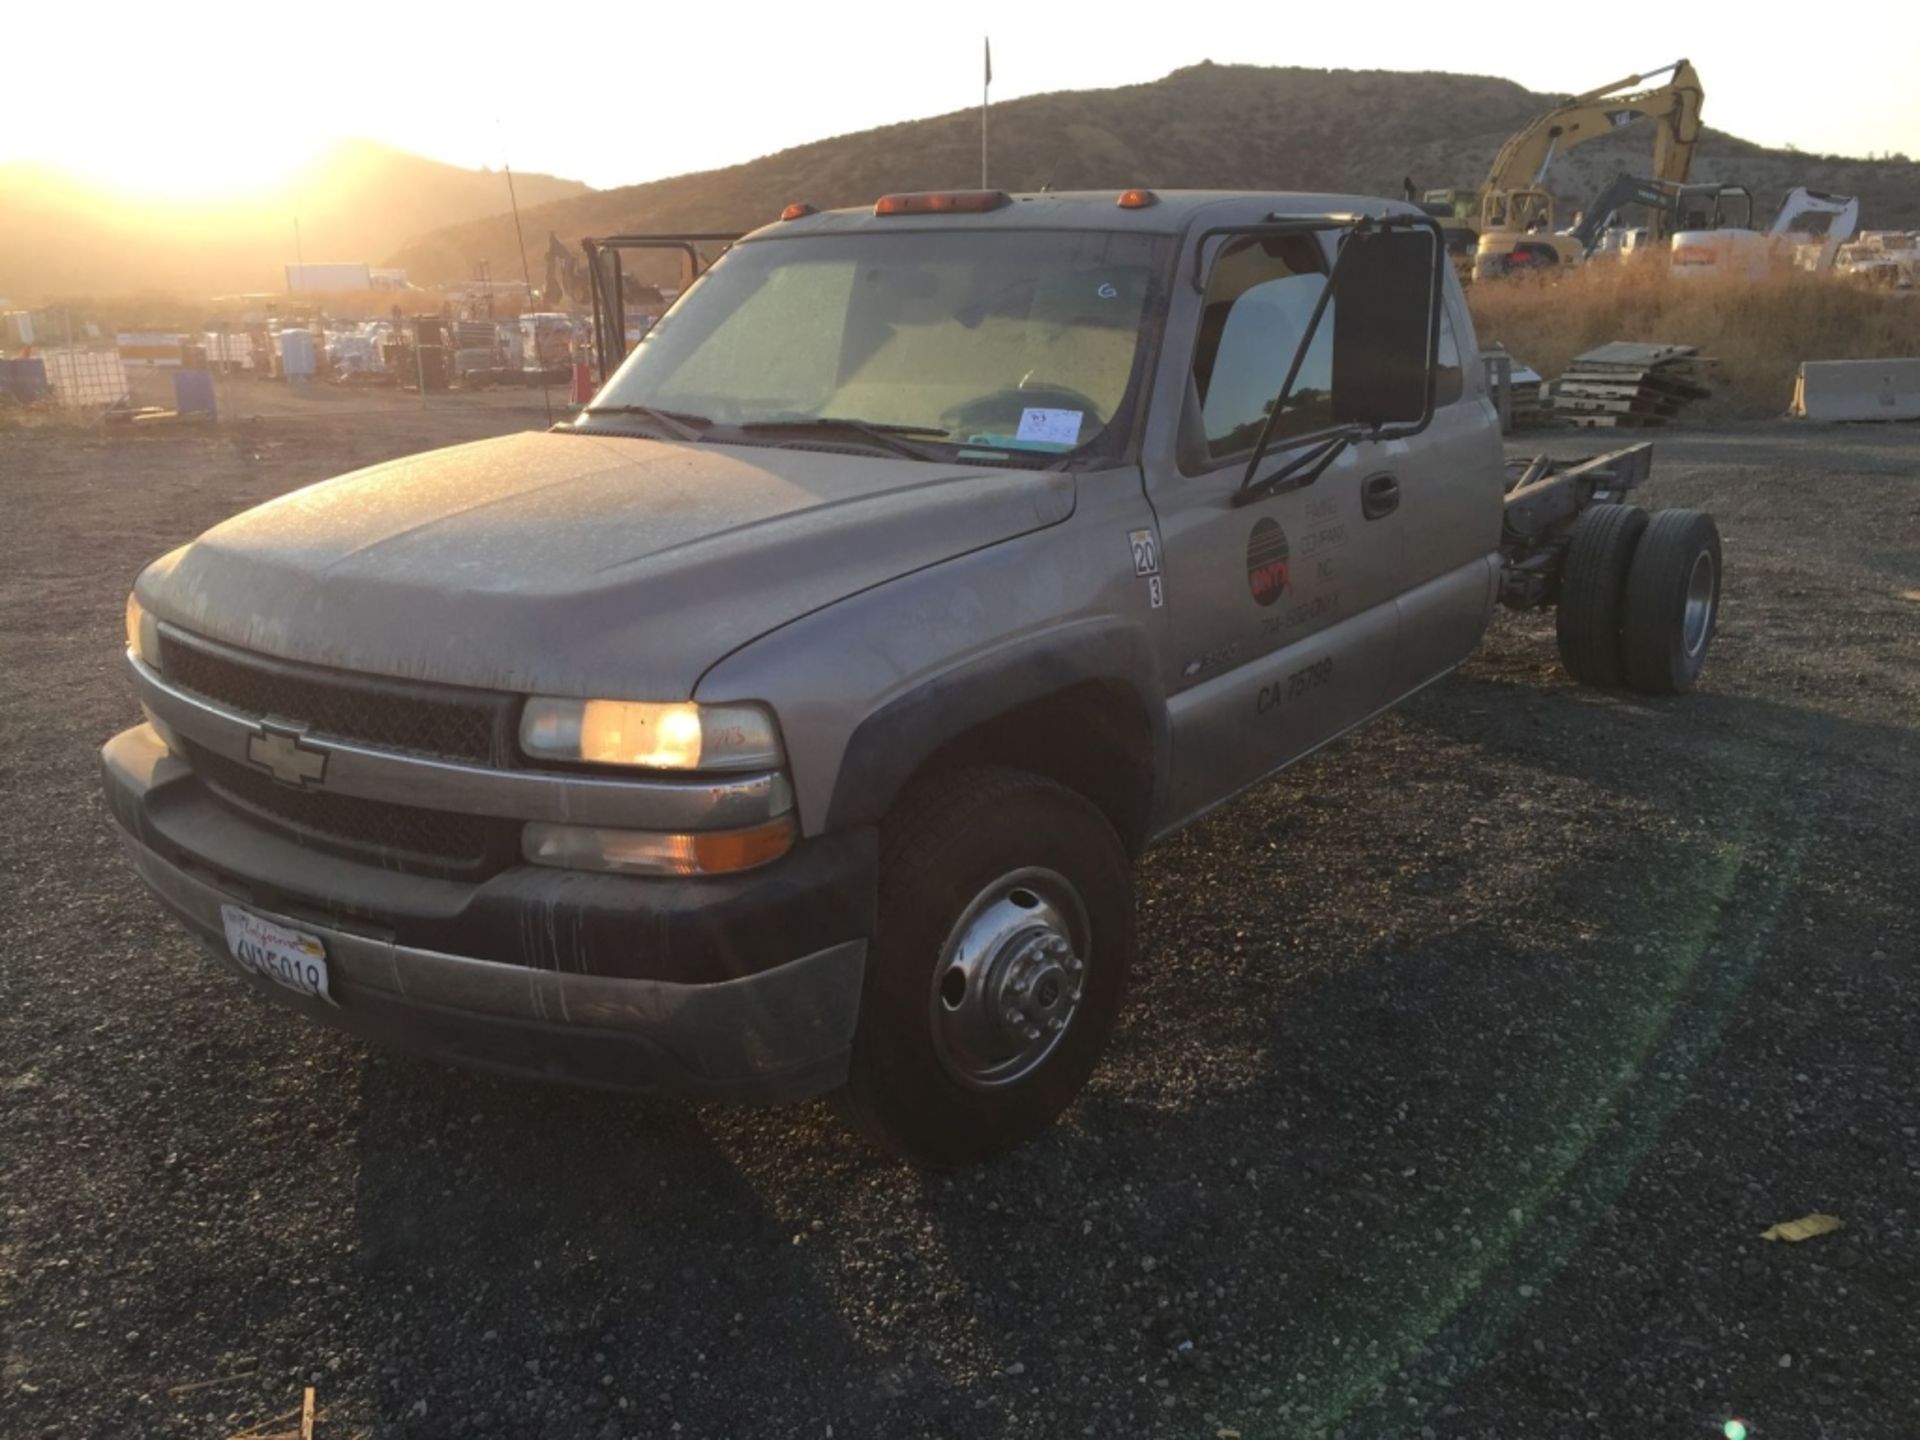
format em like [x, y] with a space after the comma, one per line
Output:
[1206, 126]
[357, 201]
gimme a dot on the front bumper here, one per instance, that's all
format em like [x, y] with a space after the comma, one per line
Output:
[725, 1014]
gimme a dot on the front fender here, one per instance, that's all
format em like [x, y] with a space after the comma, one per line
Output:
[892, 742]
[869, 688]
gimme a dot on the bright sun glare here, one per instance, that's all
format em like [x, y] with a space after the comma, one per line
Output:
[233, 163]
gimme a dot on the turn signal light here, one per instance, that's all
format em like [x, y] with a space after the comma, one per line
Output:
[799, 210]
[942, 202]
[645, 852]
[1136, 199]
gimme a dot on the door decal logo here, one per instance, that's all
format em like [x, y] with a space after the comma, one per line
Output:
[1267, 560]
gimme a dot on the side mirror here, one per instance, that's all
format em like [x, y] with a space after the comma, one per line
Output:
[1385, 327]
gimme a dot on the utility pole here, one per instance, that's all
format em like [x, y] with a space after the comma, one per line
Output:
[986, 83]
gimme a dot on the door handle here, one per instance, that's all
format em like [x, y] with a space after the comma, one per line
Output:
[1379, 495]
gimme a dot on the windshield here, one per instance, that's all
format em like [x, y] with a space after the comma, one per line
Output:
[992, 343]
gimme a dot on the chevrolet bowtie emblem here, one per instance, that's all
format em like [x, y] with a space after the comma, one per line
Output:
[288, 758]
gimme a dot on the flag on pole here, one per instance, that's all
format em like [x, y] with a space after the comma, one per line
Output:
[986, 84]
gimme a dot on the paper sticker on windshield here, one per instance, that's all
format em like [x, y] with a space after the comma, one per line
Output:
[1049, 427]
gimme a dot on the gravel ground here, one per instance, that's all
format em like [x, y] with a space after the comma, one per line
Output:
[1466, 1063]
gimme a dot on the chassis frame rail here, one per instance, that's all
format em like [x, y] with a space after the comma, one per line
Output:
[1543, 503]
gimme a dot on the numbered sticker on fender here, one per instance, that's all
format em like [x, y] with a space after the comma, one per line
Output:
[285, 956]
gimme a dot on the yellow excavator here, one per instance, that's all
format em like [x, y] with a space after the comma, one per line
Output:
[1516, 211]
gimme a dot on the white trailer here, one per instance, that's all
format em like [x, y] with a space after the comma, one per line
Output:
[327, 275]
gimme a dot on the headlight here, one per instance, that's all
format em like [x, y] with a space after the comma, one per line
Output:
[646, 852]
[143, 635]
[681, 736]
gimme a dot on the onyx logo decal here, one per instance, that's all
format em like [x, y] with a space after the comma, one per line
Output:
[1267, 562]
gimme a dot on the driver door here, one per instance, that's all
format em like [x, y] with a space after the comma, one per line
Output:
[1281, 613]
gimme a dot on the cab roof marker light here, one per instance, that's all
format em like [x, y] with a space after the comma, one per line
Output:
[799, 210]
[941, 202]
[1137, 199]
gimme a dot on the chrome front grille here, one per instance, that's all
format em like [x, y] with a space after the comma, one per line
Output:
[411, 776]
[443, 721]
[399, 837]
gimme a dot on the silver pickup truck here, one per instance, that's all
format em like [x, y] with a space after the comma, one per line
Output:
[789, 722]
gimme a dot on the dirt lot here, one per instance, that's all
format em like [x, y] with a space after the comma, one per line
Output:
[1466, 1063]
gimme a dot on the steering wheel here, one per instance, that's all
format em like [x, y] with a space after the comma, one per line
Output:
[999, 410]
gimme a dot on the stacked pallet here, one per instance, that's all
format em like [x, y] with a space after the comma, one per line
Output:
[1629, 384]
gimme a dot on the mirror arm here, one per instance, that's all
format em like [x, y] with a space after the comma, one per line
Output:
[1299, 358]
[1304, 470]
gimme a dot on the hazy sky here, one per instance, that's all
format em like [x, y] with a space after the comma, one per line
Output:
[196, 98]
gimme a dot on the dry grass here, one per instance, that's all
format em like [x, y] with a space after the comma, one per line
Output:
[1759, 330]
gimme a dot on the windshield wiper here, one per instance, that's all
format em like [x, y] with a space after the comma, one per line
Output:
[884, 435]
[677, 423]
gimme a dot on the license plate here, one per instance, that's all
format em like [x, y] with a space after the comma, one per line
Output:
[285, 956]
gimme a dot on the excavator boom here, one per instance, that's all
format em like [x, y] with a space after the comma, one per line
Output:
[1521, 165]
[1844, 211]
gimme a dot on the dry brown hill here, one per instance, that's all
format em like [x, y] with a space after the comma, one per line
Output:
[1234, 126]
[357, 201]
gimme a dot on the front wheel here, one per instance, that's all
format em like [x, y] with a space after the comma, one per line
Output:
[997, 970]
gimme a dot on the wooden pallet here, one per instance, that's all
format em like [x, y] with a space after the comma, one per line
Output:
[1625, 383]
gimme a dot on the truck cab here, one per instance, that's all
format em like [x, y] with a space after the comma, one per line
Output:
[788, 723]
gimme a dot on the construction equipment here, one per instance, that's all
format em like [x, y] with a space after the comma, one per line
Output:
[1883, 257]
[605, 267]
[1694, 207]
[1454, 209]
[1701, 249]
[1844, 211]
[565, 284]
[1516, 211]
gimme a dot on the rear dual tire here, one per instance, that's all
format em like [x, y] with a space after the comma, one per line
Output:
[1673, 601]
[1593, 593]
[1639, 598]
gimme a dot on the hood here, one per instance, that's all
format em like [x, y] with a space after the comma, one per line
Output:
[573, 564]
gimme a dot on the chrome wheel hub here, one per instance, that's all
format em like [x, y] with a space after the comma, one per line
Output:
[1010, 978]
[1699, 609]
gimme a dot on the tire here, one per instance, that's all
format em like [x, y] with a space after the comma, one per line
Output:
[1593, 592]
[938, 1075]
[1673, 602]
